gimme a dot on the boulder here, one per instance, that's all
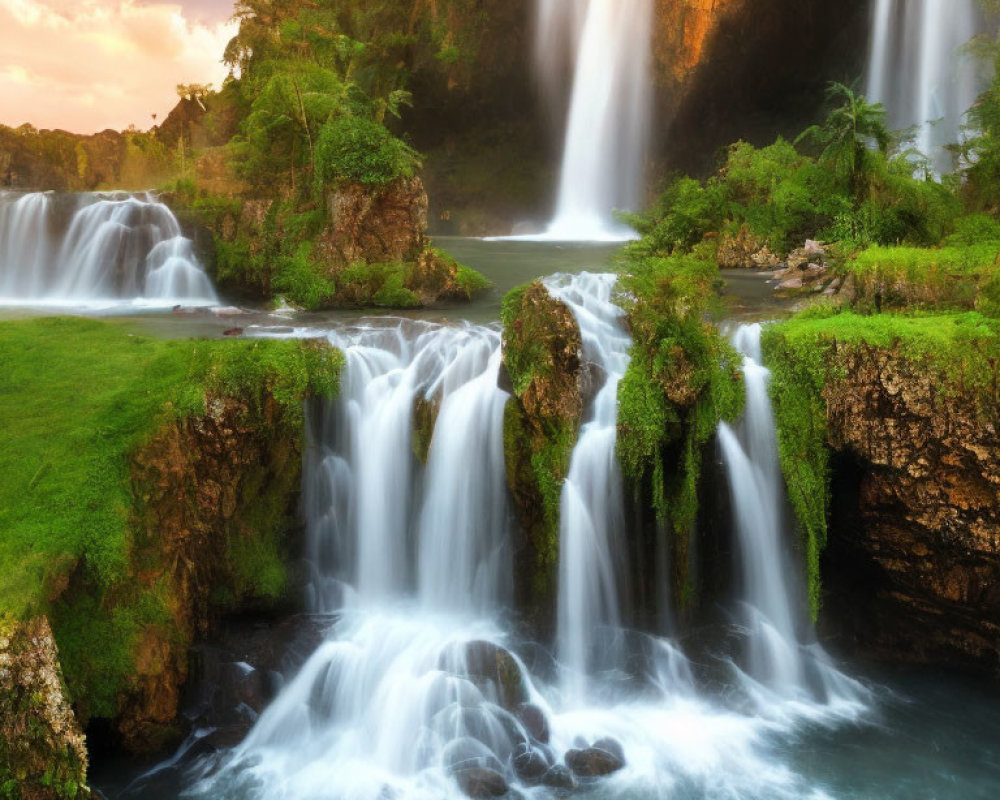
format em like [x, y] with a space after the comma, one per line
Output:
[593, 762]
[480, 783]
[530, 764]
[534, 721]
[559, 777]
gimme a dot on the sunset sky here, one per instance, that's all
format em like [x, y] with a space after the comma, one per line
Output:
[87, 65]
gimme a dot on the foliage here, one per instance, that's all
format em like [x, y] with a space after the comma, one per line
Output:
[909, 277]
[850, 137]
[360, 150]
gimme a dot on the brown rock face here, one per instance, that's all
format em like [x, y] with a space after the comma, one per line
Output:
[376, 225]
[206, 485]
[42, 749]
[916, 566]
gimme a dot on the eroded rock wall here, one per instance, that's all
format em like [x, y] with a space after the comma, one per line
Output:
[43, 755]
[914, 554]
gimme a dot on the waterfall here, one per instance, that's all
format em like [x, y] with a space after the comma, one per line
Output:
[916, 68]
[414, 691]
[591, 527]
[781, 654]
[608, 124]
[115, 247]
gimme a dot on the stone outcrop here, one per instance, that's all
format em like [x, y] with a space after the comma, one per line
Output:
[914, 556]
[543, 369]
[43, 755]
[375, 225]
[211, 488]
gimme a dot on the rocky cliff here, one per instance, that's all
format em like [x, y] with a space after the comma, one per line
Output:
[908, 409]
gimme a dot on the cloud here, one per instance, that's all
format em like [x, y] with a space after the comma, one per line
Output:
[86, 65]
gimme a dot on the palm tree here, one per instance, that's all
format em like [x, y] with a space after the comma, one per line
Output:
[850, 133]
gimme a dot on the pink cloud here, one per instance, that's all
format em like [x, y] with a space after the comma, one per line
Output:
[94, 64]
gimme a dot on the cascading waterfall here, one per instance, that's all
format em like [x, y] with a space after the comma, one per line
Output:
[779, 655]
[916, 68]
[608, 124]
[415, 692]
[591, 528]
[116, 247]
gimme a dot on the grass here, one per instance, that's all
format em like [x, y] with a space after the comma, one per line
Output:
[77, 398]
[950, 277]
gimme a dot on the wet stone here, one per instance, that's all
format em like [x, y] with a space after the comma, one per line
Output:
[559, 777]
[480, 783]
[534, 721]
[593, 762]
[530, 764]
[612, 746]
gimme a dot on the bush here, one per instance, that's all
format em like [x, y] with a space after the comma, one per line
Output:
[363, 151]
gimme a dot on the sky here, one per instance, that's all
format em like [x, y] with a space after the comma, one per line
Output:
[87, 65]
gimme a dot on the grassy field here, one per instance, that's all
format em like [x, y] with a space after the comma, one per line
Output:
[77, 398]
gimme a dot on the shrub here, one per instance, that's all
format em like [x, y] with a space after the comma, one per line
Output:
[357, 149]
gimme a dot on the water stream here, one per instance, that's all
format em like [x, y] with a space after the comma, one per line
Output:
[96, 250]
[608, 123]
[918, 70]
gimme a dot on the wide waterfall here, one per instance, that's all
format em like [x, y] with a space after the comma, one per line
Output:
[608, 123]
[591, 533]
[96, 249]
[918, 70]
[416, 690]
[781, 655]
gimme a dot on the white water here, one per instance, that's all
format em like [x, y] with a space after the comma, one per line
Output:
[918, 70]
[781, 656]
[413, 562]
[608, 124]
[592, 519]
[116, 248]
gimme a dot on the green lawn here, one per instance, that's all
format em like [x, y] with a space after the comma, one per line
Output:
[77, 397]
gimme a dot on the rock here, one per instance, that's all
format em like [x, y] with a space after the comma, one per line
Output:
[468, 753]
[612, 746]
[233, 332]
[375, 226]
[814, 248]
[745, 251]
[40, 739]
[559, 777]
[494, 671]
[480, 783]
[530, 764]
[593, 762]
[534, 721]
[790, 285]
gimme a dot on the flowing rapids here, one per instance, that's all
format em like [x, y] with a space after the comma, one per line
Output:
[918, 70]
[102, 249]
[608, 123]
[417, 689]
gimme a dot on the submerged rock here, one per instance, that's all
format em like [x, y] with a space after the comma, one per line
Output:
[612, 746]
[534, 721]
[530, 764]
[480, 783]
[559, 777]
[593, 762]
[495, 672]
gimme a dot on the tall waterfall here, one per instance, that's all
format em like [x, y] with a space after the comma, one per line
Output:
[781, 654]
[114, 247]
[916, 68]
[591, 526]
[608, 124]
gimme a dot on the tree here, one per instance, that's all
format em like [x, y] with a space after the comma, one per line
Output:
[852, 132]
